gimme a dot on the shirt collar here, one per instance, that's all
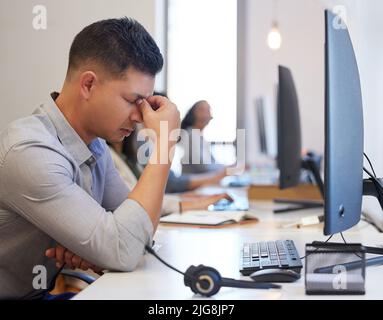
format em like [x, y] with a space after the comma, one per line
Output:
[69, 137]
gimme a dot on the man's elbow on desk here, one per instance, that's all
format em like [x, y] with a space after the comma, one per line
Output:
[129, 256]
[135, 230]
[124, 258]
[118, 241]
[127, 263]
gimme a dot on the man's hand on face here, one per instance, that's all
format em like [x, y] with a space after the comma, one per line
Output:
[72, 261]
[156, 109]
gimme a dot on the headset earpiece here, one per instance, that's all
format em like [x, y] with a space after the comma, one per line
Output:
[203, 280]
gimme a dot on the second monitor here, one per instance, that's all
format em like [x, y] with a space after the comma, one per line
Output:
[290, 160]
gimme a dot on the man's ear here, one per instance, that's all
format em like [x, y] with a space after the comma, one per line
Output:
[88, 80]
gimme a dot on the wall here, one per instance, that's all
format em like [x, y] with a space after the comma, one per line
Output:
[33, 62]
[301, 27]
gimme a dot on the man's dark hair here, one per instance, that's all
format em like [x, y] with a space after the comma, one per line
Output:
[116, 44]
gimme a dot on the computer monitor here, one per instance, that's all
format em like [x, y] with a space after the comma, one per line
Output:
[344, 134]
[343, 131]
[289, 157]
[261, 122]
[344, 183]
[290, 160]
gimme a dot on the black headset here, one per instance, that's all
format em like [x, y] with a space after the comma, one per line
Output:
[207, 281]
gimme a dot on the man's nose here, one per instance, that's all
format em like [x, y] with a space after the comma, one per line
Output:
[136, 115]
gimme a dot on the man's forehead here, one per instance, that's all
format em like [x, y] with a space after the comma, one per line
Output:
[138, 90]
[138, 84]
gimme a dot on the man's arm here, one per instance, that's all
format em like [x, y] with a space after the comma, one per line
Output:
[115, 188]
[149, 190]
[38, 183]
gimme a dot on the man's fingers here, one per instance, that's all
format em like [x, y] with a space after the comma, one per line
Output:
[147, 108]
[76, 261]
[63, 255]
[97, 270]
[68, 258]
[50, 253]
[85, 265]
[60, 251]
[157, 101]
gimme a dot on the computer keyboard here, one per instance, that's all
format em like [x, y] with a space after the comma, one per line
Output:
[269, 255]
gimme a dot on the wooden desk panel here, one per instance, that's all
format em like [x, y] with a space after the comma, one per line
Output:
[270, 192]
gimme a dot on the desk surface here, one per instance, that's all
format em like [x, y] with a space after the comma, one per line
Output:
[182, 246]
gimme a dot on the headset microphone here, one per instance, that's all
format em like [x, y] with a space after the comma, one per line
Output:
[207, 281]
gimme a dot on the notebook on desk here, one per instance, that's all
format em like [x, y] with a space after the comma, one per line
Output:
[208, 218]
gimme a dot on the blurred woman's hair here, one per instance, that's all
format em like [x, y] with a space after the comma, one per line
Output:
[189, 118]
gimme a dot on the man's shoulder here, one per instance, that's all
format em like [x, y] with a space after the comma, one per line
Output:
[32, 129]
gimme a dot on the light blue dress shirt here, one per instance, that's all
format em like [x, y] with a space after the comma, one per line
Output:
[56, 189]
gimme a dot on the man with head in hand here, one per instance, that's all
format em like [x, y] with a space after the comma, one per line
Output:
[60, 194]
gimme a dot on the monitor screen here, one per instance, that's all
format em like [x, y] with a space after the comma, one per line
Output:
[260, 109]
[343, 130]
[289, 130]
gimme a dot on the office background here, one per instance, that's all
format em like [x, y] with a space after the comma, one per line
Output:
[33, 62]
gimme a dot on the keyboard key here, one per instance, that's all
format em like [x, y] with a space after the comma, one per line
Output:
[284, 263]
[246, 251]
[266, 263]
[274, 263]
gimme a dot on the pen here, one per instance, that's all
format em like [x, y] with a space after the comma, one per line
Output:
[306, 221]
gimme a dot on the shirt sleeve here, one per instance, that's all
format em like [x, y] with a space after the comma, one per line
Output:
[38, 183]
[115, 189]
[124, 170]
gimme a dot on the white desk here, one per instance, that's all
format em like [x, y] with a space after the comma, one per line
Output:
[183, 246]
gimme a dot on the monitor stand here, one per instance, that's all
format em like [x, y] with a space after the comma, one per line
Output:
[311, 163]
[371, 187]
[297, 205]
